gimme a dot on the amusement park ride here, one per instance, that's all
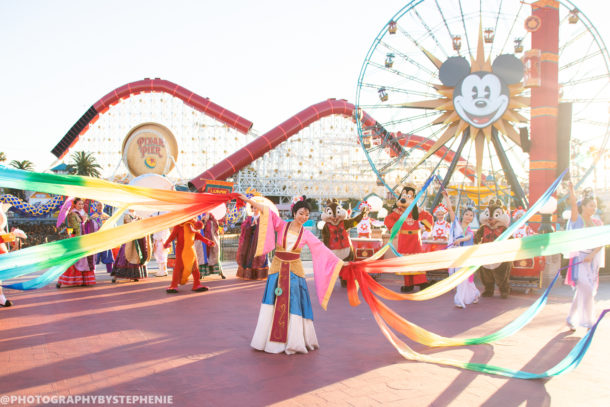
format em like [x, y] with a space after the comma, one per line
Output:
[494, 96]
[518, 90]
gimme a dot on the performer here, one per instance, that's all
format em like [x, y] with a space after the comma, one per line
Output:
[6, 238]
[460, 234]
[524, 230]
[81, 273]
[440, 230]
[583, 274]
[211, 232]
[133, 256]
[159, 250]
[494, 221]
[186, 260]
[365, 226]
[335, 231]
[409, 237]
[285, 320]
[97, 218]
[250, 267]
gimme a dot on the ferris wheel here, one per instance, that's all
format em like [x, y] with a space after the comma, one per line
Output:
[454, 89]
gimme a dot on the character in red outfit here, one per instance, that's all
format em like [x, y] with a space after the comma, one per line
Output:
[409, 237]
[186, 259]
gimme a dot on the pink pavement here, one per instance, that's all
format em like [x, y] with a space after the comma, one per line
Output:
[126, 340]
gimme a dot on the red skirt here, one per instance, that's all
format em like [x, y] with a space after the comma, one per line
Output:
[73, 277]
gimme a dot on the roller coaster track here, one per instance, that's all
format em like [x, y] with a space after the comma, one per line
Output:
[254, 150]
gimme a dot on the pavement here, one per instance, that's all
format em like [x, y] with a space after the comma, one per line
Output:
[133, 339]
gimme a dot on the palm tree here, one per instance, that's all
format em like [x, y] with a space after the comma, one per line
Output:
[84, 164]
[2, 157]
[26, 165]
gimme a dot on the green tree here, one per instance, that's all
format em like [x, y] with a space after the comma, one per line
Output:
[84, 164]
[26, 165]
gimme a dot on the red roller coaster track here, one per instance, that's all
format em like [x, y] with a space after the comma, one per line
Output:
[191, 99]
[256, 148]
[298, 122]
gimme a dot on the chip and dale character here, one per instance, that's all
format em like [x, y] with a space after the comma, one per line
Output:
[494, 220]
[335, 234]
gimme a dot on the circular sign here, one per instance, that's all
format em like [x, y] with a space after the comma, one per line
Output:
[533, 23]
[150, 148]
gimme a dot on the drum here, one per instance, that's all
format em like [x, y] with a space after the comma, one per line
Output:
[433, 245]
[527, 273]
[364, 248]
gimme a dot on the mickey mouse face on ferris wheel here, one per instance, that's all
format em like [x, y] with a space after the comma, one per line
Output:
[480, 98]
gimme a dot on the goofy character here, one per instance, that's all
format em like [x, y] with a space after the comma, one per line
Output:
[409, 236]
[186, 260]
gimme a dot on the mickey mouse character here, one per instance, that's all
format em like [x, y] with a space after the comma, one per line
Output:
[334, 232]
[409, 237]
[480, 98]
[494, 220]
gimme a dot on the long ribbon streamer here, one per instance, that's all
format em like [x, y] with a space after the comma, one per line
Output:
[54, 256]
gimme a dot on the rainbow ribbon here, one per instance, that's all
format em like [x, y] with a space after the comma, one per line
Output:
[57, 256]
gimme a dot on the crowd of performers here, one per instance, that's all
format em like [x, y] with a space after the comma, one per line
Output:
[285, 322]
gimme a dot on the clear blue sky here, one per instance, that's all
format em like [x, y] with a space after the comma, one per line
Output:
[264, 60]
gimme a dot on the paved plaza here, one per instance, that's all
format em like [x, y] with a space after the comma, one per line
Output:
[134, 339]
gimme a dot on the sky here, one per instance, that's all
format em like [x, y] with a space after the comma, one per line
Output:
[265, 60]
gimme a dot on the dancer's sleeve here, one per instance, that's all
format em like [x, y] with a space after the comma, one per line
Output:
[269, 223]
[326, 267]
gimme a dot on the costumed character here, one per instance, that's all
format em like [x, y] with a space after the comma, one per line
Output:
[186, 260]
[335, 231]
[81, 273]
[5, 238]
[524, 230]
[365, 226]
[212, 252]
[97, 218]
[249, 266]
[133, 256]
[285, 320]
[159, 250]
[460, 235]
[493, 222]
[583, 273]
[409, 236]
